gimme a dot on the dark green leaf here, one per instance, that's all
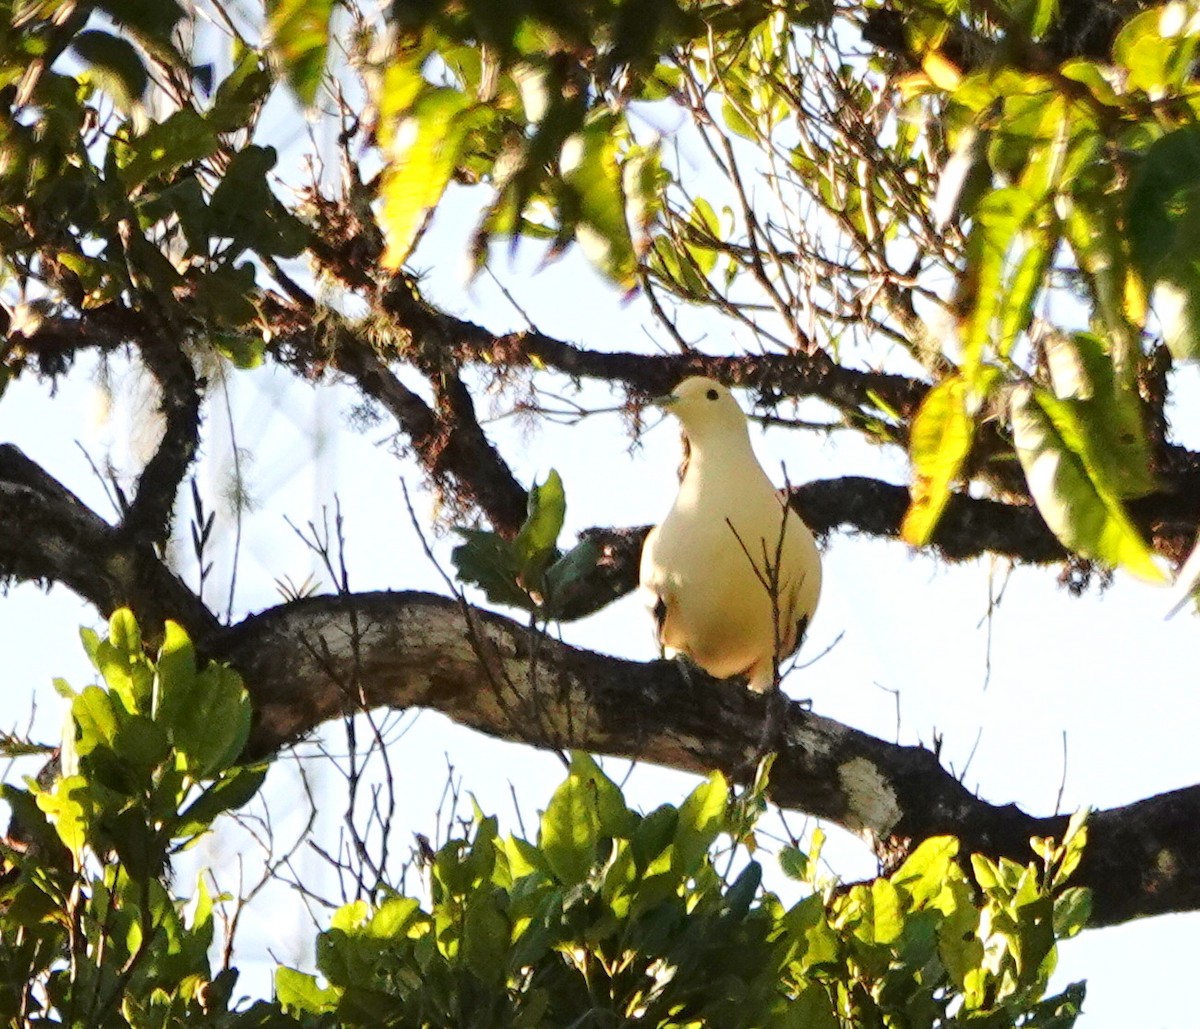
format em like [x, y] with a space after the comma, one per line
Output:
[566, 580]
[116, 61]
[152, 19]
[486, 935]
[228, 793]
[164, 147]
[487, 560]
[1165, 188]
[939, 443]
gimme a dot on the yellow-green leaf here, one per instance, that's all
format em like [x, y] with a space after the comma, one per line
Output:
[425, 150]
[942, 433]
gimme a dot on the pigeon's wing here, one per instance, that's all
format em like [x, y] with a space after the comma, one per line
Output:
[657, 593]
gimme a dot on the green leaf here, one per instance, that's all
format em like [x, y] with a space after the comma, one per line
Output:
[68, 807]
[228, 793]
[534, 545]
[571, 831]
[567, 578]
[940, 441]
[1157, 55]
[176, 679]
[654, 835]
[1072, 910]
[95, 718]
[241, 349]
[959, 945]
[241, 93]
[999, 219]
[299, 994]
[1093, 228]
[124, 634]
[164, 147]
[1163, 215]
[1069, 484]
[1084, 380]
[591, 168]
[116, 63]
[486, 938]
[244, 209]
[615, 817]
[140, 743]
[701, 819]
[888, 915]
[225, 298]
[149, 19]
[299, 33]
[211, 730]
[1164, 190]
[925, 872]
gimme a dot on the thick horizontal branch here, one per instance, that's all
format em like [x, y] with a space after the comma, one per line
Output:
[320, 658]
[970, 526]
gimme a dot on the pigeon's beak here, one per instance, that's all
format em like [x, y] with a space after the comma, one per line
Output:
[667, 401]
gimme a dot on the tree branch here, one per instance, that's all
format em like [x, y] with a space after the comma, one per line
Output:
[315, 659]
[319, 658]
[149, 516]
[449, 443]
[50, 535]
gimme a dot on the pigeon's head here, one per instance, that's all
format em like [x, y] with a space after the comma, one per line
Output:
[705, 408]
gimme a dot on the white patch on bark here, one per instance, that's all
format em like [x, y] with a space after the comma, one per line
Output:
[871, 802]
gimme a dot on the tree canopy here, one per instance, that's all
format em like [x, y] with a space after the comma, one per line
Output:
[965, 231]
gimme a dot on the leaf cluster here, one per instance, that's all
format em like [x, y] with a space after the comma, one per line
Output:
[91, 932]
[613, 917]
[529, 572]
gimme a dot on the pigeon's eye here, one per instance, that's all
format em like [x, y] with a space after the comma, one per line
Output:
[711, 394]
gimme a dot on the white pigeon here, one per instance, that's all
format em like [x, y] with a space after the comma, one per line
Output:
[709, 563]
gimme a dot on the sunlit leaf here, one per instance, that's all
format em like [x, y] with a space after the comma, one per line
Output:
[999, 219]
[941, 437]
[701, 818]
[571, 830]
[426, 147]
[591, 168]
[534, 544]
